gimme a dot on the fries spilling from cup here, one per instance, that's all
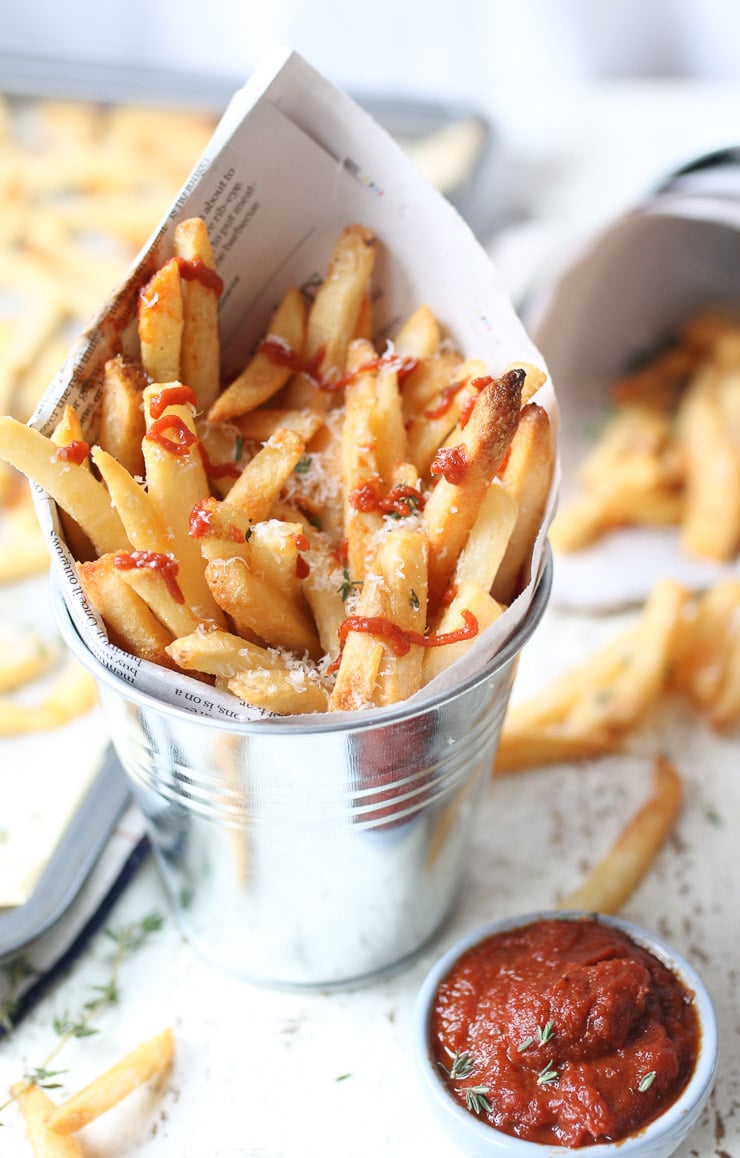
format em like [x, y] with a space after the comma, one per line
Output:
[328, 531]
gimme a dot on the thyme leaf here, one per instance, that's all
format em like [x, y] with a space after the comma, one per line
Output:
[303, 465]
[646, 1081]
[547, 1076]
[414, 599]
[347, 586]
[462, 1064]
[476, 1098]
[544, 1035]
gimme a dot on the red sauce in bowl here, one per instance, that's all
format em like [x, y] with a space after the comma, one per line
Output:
[564, 1032]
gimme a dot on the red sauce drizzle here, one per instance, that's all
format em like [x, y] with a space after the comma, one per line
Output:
[75, 451]
[445, 400]
[452, 463]
[402, 367]
[201, 519]
[341, 553]
[301, 542]
[401, 500]
[217, 469]
[398, 640]
[165, 565]
[196, 269]
[280, 354]
[172, 396]
[172, 434]
[466, 409]
[302, 568]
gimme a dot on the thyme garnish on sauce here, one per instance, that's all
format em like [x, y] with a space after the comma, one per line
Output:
[646, 1082]
[462, 1064]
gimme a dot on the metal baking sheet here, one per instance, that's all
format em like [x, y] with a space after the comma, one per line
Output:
[71, 862]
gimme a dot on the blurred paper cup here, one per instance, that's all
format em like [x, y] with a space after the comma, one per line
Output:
[312, 850]
[620, 300]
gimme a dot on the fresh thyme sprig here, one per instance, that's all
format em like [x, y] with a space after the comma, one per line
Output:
[476, 1098]
[127, 939]
[547, 1076]
[544, 1033]
[462, 1064]
[646, 1081]
[347, 586]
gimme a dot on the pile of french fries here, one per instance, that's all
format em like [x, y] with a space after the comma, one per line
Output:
[328, 531]
[669, 455]
[51, 1128]
[680, 642]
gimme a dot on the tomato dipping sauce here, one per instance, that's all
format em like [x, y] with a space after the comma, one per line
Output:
[564, 1032]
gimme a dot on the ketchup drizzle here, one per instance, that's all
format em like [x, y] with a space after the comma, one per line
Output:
[165, 565]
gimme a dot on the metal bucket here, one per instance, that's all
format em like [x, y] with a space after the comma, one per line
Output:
[313, 852]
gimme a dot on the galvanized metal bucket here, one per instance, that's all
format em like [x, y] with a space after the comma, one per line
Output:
[312, 853]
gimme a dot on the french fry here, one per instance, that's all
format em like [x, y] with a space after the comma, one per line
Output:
[453, 506]
[429, 427]
[176, 483]
[72, 486]
[24, 655]
[359, 463]
[480, 559]
[250, 602]
[264, 376]
[131, 625]
[471, 597]
[68, 432]
[144, 525]
[526, 477]
[332, 319]
[149, 1060]
[419, 335]
[401, 562]
[121, 425]
[23, 549]
[286, 692]
[589, 710]
[614, 879]
[161, 324]
[219, 653]
[200, 358]
[73, 694]
[261, 481]
[711, 526]
[36, 1107]
[261, 424]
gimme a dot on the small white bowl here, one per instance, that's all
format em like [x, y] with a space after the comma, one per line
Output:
[660, 1138]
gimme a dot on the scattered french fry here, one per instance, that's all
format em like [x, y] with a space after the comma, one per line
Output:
[614, 879]
[149, 1060]
[37, 1107]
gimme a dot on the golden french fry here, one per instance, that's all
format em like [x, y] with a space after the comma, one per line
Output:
[401, 563]
[36, 1107]
[428, 428]
[296, 691]
[264, 375]
[131, 625]
[143, 523]
[149, 1060]
[470, 597]
[425, 386]
[261, 424]
[359, 463]
[250, 602]
[485, 547]
[23, 549]
[526, 476]
[219, 653]
[71, 485]
[68, 433]
[161, 324]
[261, 481]
[24, 655]
[176, 483]
[468, 469]
[589, 709]
[711, 526]
[614, 879]
[73, 694]
[200, 354]
[419, 335]
[332, 319]
[121, 426]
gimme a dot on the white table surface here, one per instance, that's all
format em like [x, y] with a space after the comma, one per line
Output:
[287, 1075]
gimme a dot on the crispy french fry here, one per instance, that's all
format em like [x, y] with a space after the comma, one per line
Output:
[71, 485]
[261, 424]
[131, 625]
[453, 506]
[144, 525]
[149, 1060]
[200, 354]
[121, 427]
[359, 463]
[264, 376]
[711, 526]
[251, 603]
[401, 562]
[161, 324]
[36, 1107]
[219, 653]
[428, 428]
[526, 476]
[286, 692]
[614, 879]
[68, 432]
[419, 335]
[261, 481]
